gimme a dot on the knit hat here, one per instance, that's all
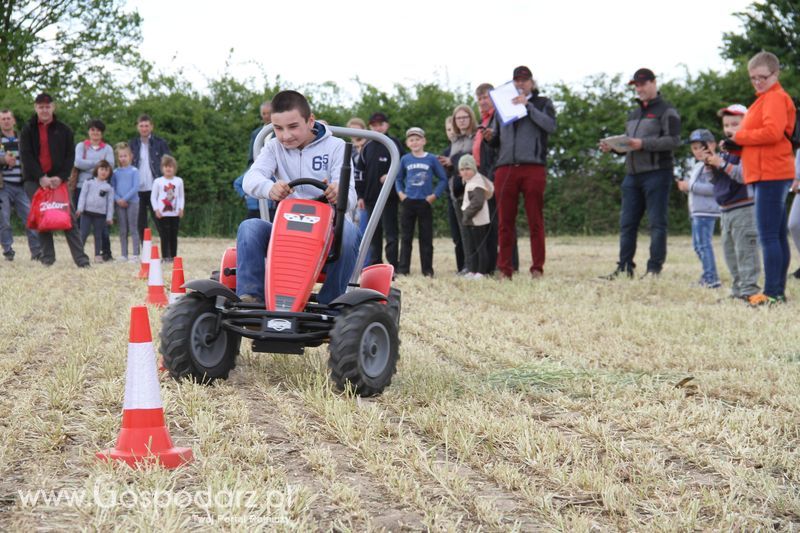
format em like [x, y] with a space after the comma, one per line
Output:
[467, 161]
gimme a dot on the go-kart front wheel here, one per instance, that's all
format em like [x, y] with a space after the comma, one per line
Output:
[193, 344]
[364, 348]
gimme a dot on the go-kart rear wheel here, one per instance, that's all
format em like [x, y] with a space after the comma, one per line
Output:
[364, 348]
[192, 345]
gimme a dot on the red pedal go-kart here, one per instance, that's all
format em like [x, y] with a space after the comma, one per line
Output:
[201, 333]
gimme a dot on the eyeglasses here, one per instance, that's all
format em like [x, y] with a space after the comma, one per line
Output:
[465, 117]
[760, 79]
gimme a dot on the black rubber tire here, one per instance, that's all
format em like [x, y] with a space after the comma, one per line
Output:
[395, 304]
[364, 348]
[189, 352]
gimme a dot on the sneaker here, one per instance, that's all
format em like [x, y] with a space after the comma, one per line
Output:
[123, 259]
[463, 272]
[712, 285]
[477, 275]
[134, 259]
[757, 300]
[36, 257]
[98, 259]
[536, 274]
[249, 298]
[9, 255]
[651, 274]
[796, 274]
[619, 272]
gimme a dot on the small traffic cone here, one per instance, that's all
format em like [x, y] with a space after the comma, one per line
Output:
[176, 290]
[144, 265]
[177, 262]
[155, 282]
[144, 436]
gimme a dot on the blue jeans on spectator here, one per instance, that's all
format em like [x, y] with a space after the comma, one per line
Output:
[13, 195]
[772, 233]
[702, 234]
[647, 191]
[252, 241]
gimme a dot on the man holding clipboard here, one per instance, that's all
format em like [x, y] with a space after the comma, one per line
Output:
[652, 133]
[519, 129]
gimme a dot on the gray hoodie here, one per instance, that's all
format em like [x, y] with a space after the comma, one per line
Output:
[97, 197]
[321, 159]
[702, 202]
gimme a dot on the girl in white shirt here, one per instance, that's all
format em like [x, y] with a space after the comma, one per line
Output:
[167, 199]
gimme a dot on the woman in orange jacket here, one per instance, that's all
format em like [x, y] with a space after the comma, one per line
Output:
[768, 163]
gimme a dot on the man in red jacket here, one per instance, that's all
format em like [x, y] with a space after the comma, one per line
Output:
[47, 150]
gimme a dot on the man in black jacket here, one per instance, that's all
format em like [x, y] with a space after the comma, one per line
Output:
[47, 150]
[654, 130]
[374, 165]
[147, 152]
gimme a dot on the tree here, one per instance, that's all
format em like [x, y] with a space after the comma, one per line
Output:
[772, 25]
[63, 45]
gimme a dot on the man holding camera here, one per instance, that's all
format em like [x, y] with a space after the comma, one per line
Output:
[653, 129]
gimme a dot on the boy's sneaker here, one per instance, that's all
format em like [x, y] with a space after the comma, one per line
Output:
[712, 285]
[9, 254]
[757, 300]
[249, 299]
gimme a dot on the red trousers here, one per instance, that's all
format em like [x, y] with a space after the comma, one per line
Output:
[509, 182]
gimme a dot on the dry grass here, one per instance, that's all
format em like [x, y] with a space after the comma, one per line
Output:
[555, 404]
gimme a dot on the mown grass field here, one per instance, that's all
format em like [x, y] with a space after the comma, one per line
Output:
[556, 404]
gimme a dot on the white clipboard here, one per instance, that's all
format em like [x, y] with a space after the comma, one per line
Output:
[506, 110]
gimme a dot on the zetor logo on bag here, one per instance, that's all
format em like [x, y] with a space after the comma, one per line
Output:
[50, 210]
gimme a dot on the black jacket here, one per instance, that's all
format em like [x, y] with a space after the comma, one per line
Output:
[374, 163]
[658, 125]
[62, 150]
[157, 148]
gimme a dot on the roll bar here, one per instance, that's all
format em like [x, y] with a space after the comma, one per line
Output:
[386, 189]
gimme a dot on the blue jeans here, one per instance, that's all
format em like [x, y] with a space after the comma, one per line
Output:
[646, 191]
[772, 232]
[702, 233]
[252, 241]
[13, 195]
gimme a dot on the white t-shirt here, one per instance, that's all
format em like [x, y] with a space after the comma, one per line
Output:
[145, 174]
[167, 196]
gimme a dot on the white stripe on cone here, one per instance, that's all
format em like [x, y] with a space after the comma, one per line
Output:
[141, 378]
[146, 251]
[156, 278]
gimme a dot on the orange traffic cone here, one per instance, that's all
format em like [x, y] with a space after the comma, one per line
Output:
[177, 262]
[155, 282]
[144, 436]
[144, 265]
[176, 289]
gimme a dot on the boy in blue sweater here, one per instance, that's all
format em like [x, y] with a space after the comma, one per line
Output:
[414, 187]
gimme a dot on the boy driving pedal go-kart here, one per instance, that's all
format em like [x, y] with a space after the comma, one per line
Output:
[310, 240]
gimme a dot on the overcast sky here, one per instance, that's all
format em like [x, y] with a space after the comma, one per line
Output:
[457, 44]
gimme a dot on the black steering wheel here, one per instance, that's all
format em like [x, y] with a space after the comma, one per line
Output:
[321, 185]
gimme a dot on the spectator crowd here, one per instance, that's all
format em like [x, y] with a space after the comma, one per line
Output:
[491, 162]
